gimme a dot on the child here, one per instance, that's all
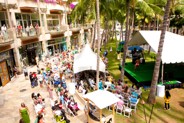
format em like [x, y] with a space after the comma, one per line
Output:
[167, 99]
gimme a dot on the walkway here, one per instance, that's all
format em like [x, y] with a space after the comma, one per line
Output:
[19, 90]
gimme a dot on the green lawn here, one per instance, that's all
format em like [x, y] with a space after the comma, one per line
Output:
[175, 115]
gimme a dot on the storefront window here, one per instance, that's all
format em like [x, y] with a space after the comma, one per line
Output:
[30, 52]
[3, 19]
[57, 45]
[8, 58]
[53, 22]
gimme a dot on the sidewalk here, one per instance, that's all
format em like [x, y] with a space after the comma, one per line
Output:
[19, 90]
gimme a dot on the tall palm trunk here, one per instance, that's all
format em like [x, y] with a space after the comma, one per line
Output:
[132, 23]
[98, 40]
[94, 36]
[126, 39]
[106, 33]
[121, 32]
[152, 94]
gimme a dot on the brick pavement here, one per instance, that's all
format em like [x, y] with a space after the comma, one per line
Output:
[18, 91]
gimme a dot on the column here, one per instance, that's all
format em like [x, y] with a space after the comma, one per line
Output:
[12, 24]
[68, 35]
[44, 46]
[81, 40]
[44, 30]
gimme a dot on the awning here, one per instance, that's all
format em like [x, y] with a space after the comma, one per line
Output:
[102, 98]
[173, 47]
[28, 9]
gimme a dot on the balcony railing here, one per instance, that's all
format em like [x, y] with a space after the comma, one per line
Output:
[78, 26]
[6, 36]
[57, 28]
[28, 32]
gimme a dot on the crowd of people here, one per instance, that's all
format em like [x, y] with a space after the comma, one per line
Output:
[53, 77]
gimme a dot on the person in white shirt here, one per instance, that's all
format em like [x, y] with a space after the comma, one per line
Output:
[92, 83]
[3, 30]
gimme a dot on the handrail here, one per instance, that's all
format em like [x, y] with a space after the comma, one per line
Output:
[6, 36]
[27, 32]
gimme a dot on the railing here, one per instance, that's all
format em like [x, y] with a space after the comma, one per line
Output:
[6, 36]
[79, 26]
[28, 32]
[57, 28]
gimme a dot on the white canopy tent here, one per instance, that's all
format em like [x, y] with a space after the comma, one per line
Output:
[86, 60]
[102, 99]
[173, 48]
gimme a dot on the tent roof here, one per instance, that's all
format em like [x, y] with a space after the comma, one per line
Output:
[102, 98]
[173, 44]
[87, 60]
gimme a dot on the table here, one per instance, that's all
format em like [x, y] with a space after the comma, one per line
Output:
[172, 84]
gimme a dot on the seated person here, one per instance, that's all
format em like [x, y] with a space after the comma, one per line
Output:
[100, 85]
[119, 88]
[74, 105]
[39, 98]
[112, 86]
[92, 83]
[39, 109]
[120, 103]
[71, 108]
[80, 89]
[59, 115]
[85, 91]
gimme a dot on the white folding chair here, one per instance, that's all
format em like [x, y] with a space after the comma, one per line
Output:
[133, 106]
[119, 109]
[127, 111]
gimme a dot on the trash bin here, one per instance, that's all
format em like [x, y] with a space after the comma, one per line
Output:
[160, 90]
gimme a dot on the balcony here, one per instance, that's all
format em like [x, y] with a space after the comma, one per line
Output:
[25, 33]
[57, 29]
[6, 37]
[77, 27]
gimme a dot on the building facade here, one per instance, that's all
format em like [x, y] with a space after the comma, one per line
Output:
[31, 28]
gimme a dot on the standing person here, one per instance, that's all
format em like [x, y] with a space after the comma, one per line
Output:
[25, 71]
[50, 90]
[31, 79]
[40, 79]
[3, 29]
[24, 113]
[27, 30]
[37, 29]
[19, 30]
[167, 99]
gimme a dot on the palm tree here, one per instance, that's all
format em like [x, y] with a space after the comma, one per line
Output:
[98, 39]
[152, 94]
[126, 39]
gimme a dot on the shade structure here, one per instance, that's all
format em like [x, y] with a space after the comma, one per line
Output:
[137, 48]
[87, 60]
[173, 47]
[102, 98]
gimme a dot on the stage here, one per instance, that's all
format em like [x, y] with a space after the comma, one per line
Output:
[143, 74]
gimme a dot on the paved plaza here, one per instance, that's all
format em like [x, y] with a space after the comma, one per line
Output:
[19, 90]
